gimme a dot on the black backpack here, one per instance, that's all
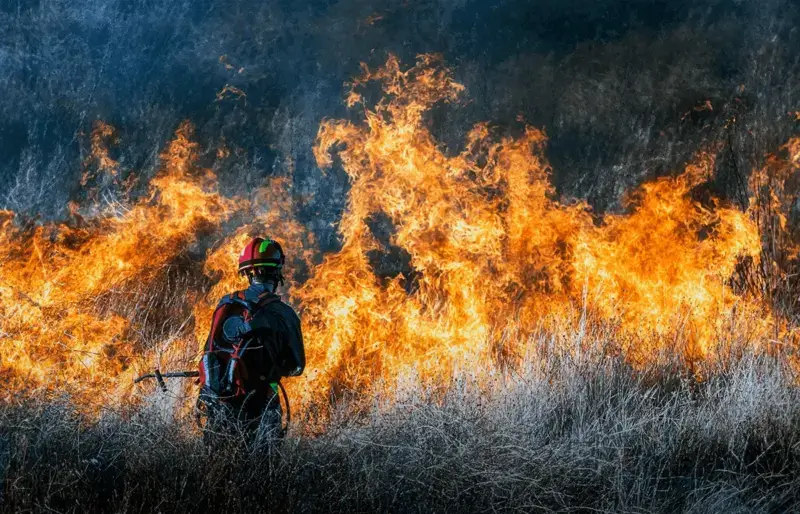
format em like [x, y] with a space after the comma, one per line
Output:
[232, 372]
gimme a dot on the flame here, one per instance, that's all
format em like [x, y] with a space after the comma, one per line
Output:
[99, 159]
[230, 91]
[55, 330]
[492, 251]
[449, 261]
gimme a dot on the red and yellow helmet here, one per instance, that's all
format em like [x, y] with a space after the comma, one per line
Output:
[261, 252]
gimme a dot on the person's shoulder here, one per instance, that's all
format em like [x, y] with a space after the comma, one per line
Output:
[279, 305]
[230, 298]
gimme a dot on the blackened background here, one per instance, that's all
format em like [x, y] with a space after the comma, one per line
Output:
[614, 83]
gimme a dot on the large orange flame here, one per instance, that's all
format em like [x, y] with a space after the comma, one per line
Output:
[54, 277]
[493, 252]
[483, 256]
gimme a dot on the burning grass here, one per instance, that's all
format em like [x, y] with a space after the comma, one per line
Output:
[478, 253]
[476, 342]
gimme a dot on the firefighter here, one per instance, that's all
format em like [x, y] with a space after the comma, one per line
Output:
[255, 340]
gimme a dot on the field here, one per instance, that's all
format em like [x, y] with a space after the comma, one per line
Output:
[546, 256]
[572, 433]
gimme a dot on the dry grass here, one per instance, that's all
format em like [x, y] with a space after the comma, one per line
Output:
[563, 433]
[586, 433]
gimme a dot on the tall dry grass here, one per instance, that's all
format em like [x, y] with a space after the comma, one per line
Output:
[567, 431]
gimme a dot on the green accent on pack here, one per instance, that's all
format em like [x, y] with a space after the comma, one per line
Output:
[264, 245]
[274, 386]
[270, 264]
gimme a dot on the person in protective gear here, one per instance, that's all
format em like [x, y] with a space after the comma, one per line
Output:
[255, 340]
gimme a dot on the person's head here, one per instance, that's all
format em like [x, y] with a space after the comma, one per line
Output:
[261, 261]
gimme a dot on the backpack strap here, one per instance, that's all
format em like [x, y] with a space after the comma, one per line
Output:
[267, 299]
[253, 307]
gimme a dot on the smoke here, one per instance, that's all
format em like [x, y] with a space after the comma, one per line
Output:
[625, 90]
